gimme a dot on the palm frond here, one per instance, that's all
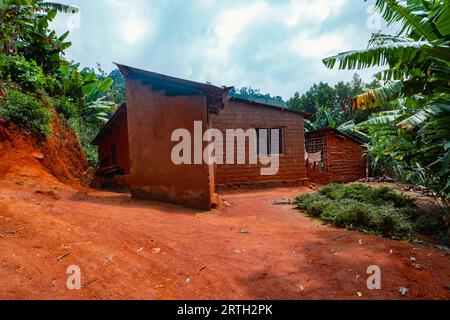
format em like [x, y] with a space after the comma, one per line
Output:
[377, 97]
[442, 20]
[391, 53]
[60, 7]
[417, 119]
[414, 25]
[378, 120]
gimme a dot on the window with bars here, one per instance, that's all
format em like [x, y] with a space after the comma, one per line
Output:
[270, 141]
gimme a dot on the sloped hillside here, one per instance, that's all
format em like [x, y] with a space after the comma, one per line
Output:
[24, 155]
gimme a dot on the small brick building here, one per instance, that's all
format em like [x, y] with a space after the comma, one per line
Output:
[135, 145]
[334, 157]
[113, 149]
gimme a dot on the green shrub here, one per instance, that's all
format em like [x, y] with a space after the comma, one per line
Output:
[313, 203]
[339, 191]
[26, 111]
[389, 223]
[412, 212]
[65, 107]
[363, 193]
[27, 74]
[86, 132]
[381, 211]
[378, 195]
[428, 225]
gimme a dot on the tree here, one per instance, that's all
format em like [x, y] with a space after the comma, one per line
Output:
[329, 104]
[256, 96]
[32, 61]
[417, 75]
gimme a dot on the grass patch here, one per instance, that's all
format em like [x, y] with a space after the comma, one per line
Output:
[381, 211]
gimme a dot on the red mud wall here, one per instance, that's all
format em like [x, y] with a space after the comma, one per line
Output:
[118, 135]
[346, 159]
[342, 159]
[317, 142]
[152, 118]
[241, 115]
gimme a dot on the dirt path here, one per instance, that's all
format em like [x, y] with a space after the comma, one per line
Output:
[131, 249]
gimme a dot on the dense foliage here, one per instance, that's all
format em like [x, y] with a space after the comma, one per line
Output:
[329, 104]
[380, 211]
[27, 111]
[412, 139]
[33, 70]
[256, 96]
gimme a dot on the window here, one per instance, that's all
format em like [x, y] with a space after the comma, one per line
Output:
[113, 154]
[270, 141]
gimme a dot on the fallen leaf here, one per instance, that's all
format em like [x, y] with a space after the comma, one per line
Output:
[359, 294]
[156, 250]
[139, 250]
[188, 279]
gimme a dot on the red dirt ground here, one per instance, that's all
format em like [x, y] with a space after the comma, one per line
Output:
[130, 249]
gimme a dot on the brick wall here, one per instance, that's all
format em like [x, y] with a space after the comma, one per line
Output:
[118, 134]
[242, 115]
[152, 118]
[317, 142]
[346, 159]
[342, 157]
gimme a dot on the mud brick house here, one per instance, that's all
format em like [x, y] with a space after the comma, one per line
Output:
[136, 146]
[114, 157]
[334, 157]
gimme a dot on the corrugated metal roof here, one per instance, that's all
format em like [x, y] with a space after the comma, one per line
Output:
[172, 85]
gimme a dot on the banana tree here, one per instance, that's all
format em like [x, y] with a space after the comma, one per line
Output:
[415, 137]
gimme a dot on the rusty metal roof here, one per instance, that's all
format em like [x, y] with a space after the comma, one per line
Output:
[306, 115]
[171, 85]
[336, 132]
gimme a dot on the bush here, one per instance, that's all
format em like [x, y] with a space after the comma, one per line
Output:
[86, 132]
[429, 225]
[26, 111]
[381, 211]
[65, 108]
[363, 193]
[27, 74]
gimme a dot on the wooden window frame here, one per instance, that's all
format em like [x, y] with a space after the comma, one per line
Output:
[269, 141]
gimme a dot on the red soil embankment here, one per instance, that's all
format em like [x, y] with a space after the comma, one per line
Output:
[24, 155]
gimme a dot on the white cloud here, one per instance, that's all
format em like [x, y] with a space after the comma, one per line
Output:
[274, 45]
[310, 45]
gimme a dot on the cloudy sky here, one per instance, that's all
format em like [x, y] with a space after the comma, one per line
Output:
[273, 45]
